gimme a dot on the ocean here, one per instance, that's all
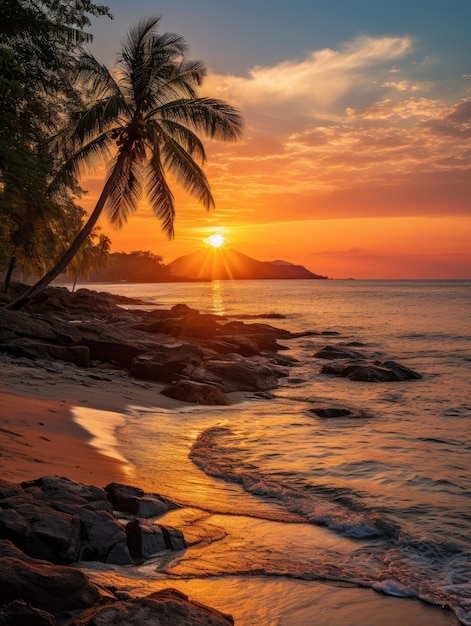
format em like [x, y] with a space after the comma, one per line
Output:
[284, 509]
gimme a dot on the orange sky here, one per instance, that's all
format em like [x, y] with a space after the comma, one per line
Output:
[354, 163]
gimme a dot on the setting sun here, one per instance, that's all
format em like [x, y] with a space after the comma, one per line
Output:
[216, 240]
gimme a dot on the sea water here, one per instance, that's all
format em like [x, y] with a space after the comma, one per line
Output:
[278, 501]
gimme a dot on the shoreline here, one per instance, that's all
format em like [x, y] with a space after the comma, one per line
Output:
[43, 421]
[42, 437]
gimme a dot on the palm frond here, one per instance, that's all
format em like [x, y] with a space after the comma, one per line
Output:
[215, 118]
[185, 137]
[179, 81]
[98, 117]
[126, 171]
[160, 195]
[186, 171]
[87, 157]
[95, 77]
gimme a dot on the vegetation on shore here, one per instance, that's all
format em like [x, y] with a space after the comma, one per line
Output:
[143, 121]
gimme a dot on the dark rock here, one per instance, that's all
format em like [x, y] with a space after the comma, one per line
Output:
[39, 530]
[133, 500]
[166, 363]
[168, 607]
[19, 613]
[79, 355]
[52, 588]
[387, 371]
[337, 352]
[56, 487]
[198, 393]
[20, 324]
[236, 374]
[146, 539]
[333, 412]
[7, 490]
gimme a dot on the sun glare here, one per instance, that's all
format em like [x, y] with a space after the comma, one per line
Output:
[216, 240]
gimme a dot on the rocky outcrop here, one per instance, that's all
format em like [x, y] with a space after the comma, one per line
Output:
[162, 608]
[44, 585]
[87, 329]
[47, 523]
[196, 393]
[337, 352]
[146, 539]
[375, 372]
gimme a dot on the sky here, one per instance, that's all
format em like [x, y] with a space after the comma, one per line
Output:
[356, 156]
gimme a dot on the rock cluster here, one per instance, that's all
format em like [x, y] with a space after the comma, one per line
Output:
[352, 364]
[87, 328]
[49, 523]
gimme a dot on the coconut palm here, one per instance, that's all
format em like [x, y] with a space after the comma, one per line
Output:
[144, 120]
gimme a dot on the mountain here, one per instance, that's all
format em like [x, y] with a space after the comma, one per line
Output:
[225, 264]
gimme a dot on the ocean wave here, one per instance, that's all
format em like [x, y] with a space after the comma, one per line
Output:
[331, 507]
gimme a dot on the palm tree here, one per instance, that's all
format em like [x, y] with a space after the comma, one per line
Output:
[150, 113]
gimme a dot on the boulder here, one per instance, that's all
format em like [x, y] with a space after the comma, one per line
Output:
[32, 349]
[39, 530]
[21, 613]
[52, 588]
[333, 412]
[236, 373]
[146, 539]
[386, 371]
[198, 393]
[134, 501]
[338, 352]
[168, 607]
[166, 363]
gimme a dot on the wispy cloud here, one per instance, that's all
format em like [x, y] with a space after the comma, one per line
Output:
[333, 132]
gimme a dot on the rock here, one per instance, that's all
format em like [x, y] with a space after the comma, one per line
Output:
[133, 500]
[332, 412]
[39, 530]
[55, 489]
[236, 374]
[162, 608]
[198, 393]
[19, 613]
[337, 352]
[146, 539]
[387, 371]
[9, 489]
[79, 355]
[167, 363]
[52, 588]
[103, 537]
[20, 324]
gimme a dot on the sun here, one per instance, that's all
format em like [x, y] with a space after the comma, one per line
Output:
[216, 240]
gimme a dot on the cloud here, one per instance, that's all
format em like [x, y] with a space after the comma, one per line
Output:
[323, 138]
[316, 83]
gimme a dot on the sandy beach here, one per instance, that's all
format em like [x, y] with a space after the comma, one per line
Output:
[40, 436]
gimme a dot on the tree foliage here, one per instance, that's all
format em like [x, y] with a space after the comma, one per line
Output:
[37, 50]
[144, 121]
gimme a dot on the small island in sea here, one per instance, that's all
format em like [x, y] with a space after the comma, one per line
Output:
[206, 264]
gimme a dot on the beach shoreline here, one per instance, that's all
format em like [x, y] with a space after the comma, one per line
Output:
[41, 437]
[40, 432]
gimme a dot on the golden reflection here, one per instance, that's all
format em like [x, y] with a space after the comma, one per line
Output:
[217, 297]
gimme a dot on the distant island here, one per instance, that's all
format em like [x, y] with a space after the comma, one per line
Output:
[226, 264]
[204, 265]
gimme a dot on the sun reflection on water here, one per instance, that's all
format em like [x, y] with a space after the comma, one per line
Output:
[217, 304]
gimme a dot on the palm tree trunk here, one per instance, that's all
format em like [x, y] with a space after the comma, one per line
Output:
[11, 267]
[72, 250]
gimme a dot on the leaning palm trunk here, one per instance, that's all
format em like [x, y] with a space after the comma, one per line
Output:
[68, 255]
[151, 115]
